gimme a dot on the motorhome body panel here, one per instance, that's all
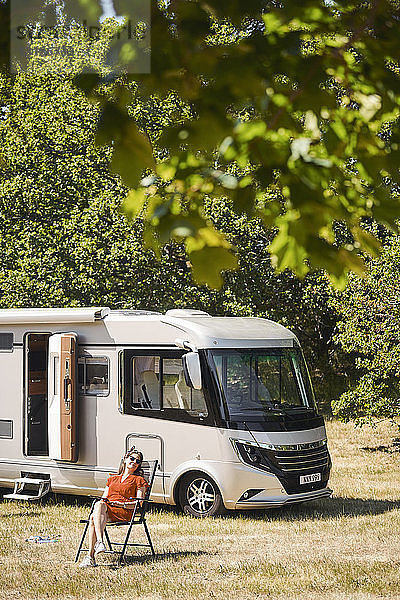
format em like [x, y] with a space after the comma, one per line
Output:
[105, 433]
[11, 399]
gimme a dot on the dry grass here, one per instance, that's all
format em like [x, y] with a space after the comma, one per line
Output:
[343, 548]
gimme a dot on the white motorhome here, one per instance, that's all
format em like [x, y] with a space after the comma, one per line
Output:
[224, 403]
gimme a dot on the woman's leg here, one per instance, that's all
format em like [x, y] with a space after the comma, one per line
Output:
[97, 525]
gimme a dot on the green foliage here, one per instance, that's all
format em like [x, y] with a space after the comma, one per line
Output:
[63, 241]
[297, 102]
[369, 330]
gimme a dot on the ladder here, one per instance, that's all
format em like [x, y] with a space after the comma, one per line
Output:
[38, 488]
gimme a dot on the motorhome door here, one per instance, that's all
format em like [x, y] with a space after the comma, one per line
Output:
[36, 401]
[62, 397]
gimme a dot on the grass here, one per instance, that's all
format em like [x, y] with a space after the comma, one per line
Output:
[342, 548]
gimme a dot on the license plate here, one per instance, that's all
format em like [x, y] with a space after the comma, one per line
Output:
[310, 478]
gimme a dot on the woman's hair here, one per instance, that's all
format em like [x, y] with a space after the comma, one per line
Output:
[139, 470]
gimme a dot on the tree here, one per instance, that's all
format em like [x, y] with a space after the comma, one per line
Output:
[294, 116]
[63, 241]
[369, 329]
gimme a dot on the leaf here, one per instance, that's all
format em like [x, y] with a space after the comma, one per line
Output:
[273, 22]
[368, 242]
[92, 10]
[336, 261]
[131, 155]
[132, 151]
[134, 203]
[181, 227]
[206, 236]
[288, 252]
[300, 148]
[209, 263]
[369, 105]
[338, 127]
[243, 200]
[245, 132]
[311, 124]
[204, 132]
[166, 170]
[87, 81]
[112, 123]
[282, 100]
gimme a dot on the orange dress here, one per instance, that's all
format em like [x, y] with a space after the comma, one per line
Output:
[124, 491]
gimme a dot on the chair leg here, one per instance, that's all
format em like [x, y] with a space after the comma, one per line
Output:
[82, 540]
[148, 537]
[128, 533]
[107, 539]
[85, 531]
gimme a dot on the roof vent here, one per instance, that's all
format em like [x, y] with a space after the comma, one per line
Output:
[186, 312]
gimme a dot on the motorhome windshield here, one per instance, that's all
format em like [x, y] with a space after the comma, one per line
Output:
[261, 383]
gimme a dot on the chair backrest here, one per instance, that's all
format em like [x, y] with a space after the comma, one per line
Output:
[149, 468]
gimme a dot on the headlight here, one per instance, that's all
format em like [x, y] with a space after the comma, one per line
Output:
[252, 454]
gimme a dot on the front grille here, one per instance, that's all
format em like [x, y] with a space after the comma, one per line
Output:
[289, 463]
[304, 461]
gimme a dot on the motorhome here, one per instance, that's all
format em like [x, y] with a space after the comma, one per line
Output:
[225, 404]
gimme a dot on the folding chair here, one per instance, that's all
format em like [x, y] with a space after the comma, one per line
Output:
[138, 518]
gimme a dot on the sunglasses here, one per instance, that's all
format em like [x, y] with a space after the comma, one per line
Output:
[136, 460]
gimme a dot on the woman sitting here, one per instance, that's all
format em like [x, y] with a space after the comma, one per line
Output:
[119, 499]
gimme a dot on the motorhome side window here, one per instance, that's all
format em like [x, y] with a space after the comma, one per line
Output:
[155, 385]
[176, 394]
[93, 375]
[6, 342]
[146, 382]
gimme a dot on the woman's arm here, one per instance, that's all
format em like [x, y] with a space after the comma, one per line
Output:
[106, 492]
[139, 496]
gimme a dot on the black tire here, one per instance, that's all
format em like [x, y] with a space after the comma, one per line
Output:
[199, 496]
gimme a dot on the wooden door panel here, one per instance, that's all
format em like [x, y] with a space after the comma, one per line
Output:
[68, 390]
[62, 385]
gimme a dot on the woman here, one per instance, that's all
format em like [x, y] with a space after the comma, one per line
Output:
[117, 502]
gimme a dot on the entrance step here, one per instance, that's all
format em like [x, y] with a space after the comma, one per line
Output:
[37, 489]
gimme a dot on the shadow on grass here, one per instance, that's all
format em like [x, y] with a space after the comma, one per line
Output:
[148, 558]
[395, 447]
[324, 509]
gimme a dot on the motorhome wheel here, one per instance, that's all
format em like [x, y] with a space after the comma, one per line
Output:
[199, 496]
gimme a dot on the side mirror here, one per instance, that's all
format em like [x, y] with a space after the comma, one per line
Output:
[192, 370]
